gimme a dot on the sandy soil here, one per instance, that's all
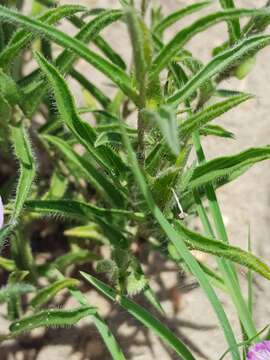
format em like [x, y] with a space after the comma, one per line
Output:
[244, 202]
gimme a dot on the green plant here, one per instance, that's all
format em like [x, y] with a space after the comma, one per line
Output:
[127, 185]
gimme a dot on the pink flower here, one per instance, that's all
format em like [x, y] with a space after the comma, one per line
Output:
[259, 351]
[1, 213]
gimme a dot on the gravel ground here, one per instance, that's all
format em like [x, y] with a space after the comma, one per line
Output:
[244, 202]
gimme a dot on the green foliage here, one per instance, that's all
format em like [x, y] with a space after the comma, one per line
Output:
[105, 186]
[144, 316]
[50, 318]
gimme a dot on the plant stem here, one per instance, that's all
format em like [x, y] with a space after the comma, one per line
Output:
[141, 148]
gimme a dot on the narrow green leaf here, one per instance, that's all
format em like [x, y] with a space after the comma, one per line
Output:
[169, 20]
[74, 258]
[46, 294]
[227, 165]
[112, 71]
[109, 138]
[194, 122]
[142, 49]
[89, 172]
[109, 52]
[223, 250]
[75, 209]
[171, 49]
[35, 88]
[82, 130]
[90, 231]
[58, 186]
[143, 316]
[216, 130]
[218, 64]
[22, 37]
[25, 157]
[101, 326]
[233, 25]
[51, 318]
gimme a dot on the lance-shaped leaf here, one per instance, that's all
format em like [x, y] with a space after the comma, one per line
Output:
[113, 72]
[223, 250]
[226, 166]
[34, 88]
[76, 209]
[216, 130]
[46, 294]
[234, 24]
[171, 49]
[218, 64]
[25, 157]
[142, 48]
[109, 52]
[169, 20]
[72, 258]
[88, 32]
[51, 318]
[89, 172]
[194, 122]
[85, 134]
[23, 37]
[85, 212]
[144, 317]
